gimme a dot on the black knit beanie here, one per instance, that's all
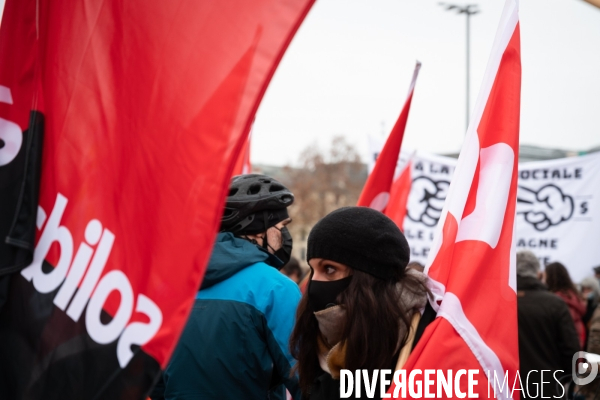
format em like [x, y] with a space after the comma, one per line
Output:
[362, 238]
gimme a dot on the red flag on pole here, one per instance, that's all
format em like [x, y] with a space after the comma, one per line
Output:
[146, 105]
[397, 205]
[376, 192]
[472, 262]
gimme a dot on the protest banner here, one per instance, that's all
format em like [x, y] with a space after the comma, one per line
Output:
[146, 105]
[558, 216]
[558, 212]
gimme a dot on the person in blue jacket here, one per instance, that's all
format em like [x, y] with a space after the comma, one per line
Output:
[235, 343]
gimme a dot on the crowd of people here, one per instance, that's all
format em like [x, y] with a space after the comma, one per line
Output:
[254, 334]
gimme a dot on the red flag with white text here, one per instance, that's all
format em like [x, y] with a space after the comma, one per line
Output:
[472, 261]
[146, 105]
[376, 192]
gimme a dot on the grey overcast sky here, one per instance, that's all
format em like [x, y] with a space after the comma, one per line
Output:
[348, 69]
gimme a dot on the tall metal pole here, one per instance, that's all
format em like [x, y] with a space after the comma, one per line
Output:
[469, 9]
[468, 77]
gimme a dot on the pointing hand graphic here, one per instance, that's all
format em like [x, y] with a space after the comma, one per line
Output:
[545, 208]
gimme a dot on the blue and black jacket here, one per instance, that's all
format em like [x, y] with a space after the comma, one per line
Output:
[235, 343]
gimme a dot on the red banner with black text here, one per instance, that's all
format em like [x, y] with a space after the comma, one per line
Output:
[144, 107]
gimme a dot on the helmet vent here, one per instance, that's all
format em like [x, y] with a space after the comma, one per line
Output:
[248, 197]
[254, 189]
[275, 188]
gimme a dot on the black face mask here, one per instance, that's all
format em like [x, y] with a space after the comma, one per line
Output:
[285, 251]
[322, 294]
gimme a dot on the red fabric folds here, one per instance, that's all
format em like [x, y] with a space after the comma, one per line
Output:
[147, 105]
[472, 261]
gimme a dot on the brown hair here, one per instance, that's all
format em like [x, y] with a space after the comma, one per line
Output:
[375, 309]
[559, 280]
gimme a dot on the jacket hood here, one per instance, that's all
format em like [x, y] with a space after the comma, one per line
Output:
[231, 255]
[530, 283]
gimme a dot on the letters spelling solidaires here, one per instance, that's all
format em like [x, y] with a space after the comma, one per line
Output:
[128, 334]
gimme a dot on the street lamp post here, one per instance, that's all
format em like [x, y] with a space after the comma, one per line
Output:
[468, 10]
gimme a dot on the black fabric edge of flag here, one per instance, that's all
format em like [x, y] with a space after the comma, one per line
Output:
[23, 228]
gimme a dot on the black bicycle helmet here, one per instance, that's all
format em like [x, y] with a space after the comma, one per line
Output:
[248, 196]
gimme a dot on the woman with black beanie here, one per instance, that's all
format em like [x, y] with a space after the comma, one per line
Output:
[357, 310]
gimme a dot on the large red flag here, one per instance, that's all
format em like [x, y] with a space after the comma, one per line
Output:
[242, 164]
[146, 105]
[472, 261]
[376, 192]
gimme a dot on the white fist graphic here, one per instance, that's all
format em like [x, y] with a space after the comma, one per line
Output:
[426, 200]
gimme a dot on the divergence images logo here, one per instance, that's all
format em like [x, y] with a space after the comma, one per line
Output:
[426, 200]
[547, 207]
[584, 367]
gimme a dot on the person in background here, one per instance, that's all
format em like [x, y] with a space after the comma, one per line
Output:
[593, 343]
[547, 336]
[590, 290]
[592, 389]
[360, 300]
[235, 343]
[559, 282]
[597, 273]
[292, 270]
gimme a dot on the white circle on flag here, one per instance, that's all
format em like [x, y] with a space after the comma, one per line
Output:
[380, 201]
